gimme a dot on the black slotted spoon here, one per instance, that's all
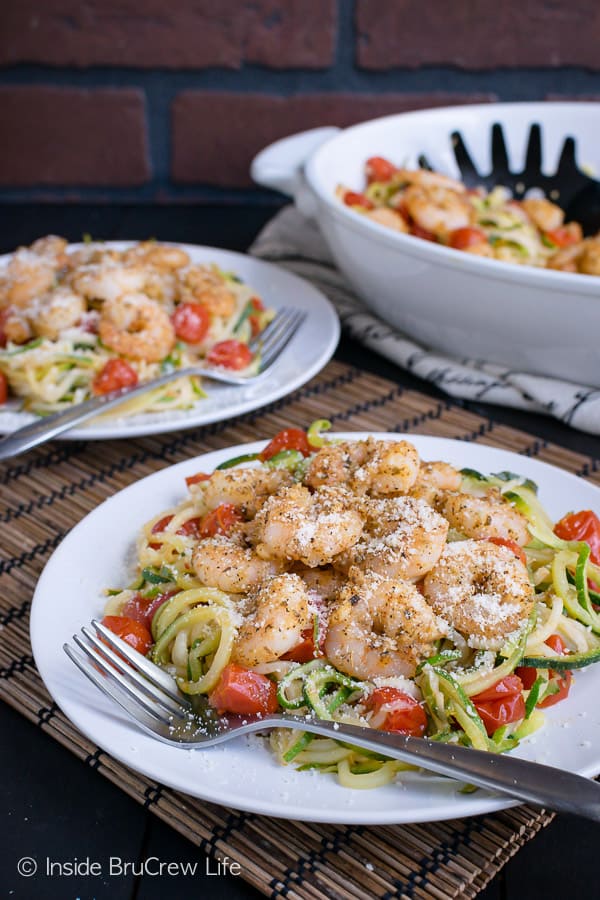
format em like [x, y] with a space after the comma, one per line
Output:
[575, 192]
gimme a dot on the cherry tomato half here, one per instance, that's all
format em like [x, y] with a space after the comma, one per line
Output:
[566, 235]
[230, 354]
[581, 526]
[288, 439]
[306, 650]
[191, 322]
[244, 692]
[462, 238]
[419, 232]
[398, 711]
[115, 374]
[352, 198]
[197, 478]
[3, 388]
[501, 704]
[131, 631]
[220, 520]
[379, 169]
[143, 609]
[190, 528]
[562, 680]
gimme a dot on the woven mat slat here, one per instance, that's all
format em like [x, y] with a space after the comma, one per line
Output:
[46, 493]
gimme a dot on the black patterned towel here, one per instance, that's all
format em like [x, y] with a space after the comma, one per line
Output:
[294, 242]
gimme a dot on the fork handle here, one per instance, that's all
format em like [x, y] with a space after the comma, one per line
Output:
[48, 427]
[531, 782]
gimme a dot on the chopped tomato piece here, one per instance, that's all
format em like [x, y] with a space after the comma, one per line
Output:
[501, 704]
[379, 169]
[288, 439]
[352, 198]
[244, 692]
[197, 478]
[562, 680]
[419, 232]
[191, 322]
[131, 631]
[462, 238]
[230, 354]
[565, 235]
[581, 526]
[512, 545]
[115, 374]
[220, 520]
[191, 527]
[3, 388]
[395, 710]
[253, 318]
[143, 609]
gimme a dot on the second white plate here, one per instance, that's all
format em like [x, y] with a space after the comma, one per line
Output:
[310, 349]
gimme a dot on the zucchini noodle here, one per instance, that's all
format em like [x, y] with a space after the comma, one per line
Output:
[198, 630]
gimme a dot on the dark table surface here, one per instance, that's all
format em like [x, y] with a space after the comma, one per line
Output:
[55, 807]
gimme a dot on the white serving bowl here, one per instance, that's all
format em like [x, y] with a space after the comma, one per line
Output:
[533, 320]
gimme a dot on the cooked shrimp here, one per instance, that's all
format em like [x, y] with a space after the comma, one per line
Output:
[57, 311]
[325, 583]
[201, 284]
[26, 277]
[275, 616]
[245, 488]
[226, 563]
[385, 216]
[16, 326]
[310, 528]
[482, 590]
[107, 280]
[545, 215]
[438, 209]
[161, 256]
[380, 627]
[433, 480]
[373, 466]
[135, 326]
[589, 261]
[403, 538]
[426, 178]
[485, 517]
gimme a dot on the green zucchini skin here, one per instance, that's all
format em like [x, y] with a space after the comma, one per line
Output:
[563, 663]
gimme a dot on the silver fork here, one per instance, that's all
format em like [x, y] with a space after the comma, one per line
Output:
[271, 342]
[151, 697]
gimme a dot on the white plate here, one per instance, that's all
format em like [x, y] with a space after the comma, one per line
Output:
[306, 354]
[242, 773]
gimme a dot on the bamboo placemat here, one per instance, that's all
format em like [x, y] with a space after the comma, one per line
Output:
[50, 490]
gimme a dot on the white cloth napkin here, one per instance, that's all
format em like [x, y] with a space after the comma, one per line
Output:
[295, 242]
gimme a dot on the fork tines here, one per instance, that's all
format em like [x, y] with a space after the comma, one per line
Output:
[142, 689]
[277, 335]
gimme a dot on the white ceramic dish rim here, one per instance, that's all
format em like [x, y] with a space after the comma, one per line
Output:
[115, 735]
[178, 420]
[582, 284]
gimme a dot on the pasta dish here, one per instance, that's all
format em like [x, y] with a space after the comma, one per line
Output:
[79, 321]
[353, 581]
[492, 224]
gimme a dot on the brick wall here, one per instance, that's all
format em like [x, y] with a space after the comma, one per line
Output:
[116, 99]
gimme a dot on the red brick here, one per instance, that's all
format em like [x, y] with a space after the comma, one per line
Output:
[63, 136]
[215, 135]
[187, 34]
[475, 35]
